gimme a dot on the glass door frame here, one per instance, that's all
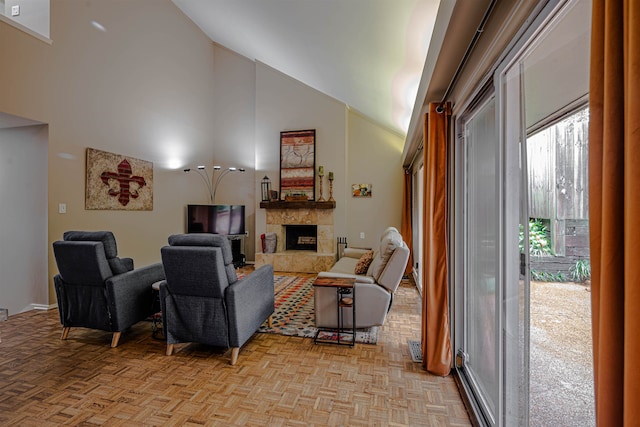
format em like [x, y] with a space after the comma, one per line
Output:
[418, 215]
[460, 253]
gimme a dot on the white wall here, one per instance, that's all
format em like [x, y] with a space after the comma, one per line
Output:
[34, 14]
[23, 214]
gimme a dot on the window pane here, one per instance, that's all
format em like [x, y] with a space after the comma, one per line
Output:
[482, 262]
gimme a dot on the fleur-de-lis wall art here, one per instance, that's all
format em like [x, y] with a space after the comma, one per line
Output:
[117, 182]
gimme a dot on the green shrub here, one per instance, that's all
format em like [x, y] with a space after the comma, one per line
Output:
[581, 271]
[545, 276]
[539, 238]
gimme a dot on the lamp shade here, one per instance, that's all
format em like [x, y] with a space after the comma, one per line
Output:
[266, 189]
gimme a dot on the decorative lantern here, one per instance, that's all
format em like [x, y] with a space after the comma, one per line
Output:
[266, 189]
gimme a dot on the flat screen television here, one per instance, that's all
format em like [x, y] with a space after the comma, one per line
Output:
[216, 219]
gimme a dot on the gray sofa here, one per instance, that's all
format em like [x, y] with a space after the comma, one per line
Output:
[202, 299]
[374, 289]
[96, 289]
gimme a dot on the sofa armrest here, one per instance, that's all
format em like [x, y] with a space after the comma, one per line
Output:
[250, 301]
[129, 295]
[372, 305]
[355, 252]
[359, 278]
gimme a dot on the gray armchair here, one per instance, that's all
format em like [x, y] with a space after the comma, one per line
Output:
[202, 299]
[98, 290]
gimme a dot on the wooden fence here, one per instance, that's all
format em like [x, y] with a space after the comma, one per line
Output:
[557, 161]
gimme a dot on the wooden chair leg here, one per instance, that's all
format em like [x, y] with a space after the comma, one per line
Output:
[115, 339]
[270, 321]
[234, 355]
[169, 349]
[65, 333]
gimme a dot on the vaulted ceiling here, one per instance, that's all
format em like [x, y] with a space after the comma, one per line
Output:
[368, 54]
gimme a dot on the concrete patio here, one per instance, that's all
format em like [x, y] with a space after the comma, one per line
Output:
[561, 381]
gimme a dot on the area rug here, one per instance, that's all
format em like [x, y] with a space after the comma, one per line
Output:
[294, 311]
[281, 283]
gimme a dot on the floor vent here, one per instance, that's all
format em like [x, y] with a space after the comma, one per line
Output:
[415, 348]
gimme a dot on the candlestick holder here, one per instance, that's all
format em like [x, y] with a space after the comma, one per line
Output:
[331, 199]
[321, 198]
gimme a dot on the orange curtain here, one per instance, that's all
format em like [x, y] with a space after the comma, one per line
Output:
[614, 204]
[406, 228]
[436, 343]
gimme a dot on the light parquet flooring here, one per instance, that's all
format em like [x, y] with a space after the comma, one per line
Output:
[277, 381]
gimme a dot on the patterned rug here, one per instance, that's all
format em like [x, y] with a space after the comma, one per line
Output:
[294, 311]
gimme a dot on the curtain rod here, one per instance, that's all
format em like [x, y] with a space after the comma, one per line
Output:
[467, 54]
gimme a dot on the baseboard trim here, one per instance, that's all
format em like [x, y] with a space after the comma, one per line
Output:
[42, 306]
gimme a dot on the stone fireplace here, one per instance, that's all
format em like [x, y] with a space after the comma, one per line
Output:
[305, 237]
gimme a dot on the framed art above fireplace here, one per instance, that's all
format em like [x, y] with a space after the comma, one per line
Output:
[297, 163]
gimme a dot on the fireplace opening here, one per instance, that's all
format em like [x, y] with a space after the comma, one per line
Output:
[301, 237]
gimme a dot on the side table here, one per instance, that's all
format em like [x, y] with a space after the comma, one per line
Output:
[345, 299]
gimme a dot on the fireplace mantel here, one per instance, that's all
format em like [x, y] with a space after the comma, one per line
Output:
[297, 205]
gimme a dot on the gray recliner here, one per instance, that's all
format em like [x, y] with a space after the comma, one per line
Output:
[202, 299]
[96, 289]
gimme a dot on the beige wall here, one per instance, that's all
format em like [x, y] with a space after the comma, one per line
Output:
[233, 140]
[282, 104]
[23, 229]
[374, 157]
[354, 147]
[153, 86]
[134, 89]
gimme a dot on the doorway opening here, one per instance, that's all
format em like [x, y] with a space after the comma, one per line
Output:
[561, 363]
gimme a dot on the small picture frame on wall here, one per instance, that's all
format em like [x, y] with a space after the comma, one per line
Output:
[361, 190]
[298, 163]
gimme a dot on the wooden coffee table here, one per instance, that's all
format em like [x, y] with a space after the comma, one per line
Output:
[345, 299]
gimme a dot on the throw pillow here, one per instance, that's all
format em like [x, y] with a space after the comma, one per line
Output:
[363, 263]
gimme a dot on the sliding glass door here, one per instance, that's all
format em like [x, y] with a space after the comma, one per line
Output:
[546, 80]
[492, 274]
[543, 77]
